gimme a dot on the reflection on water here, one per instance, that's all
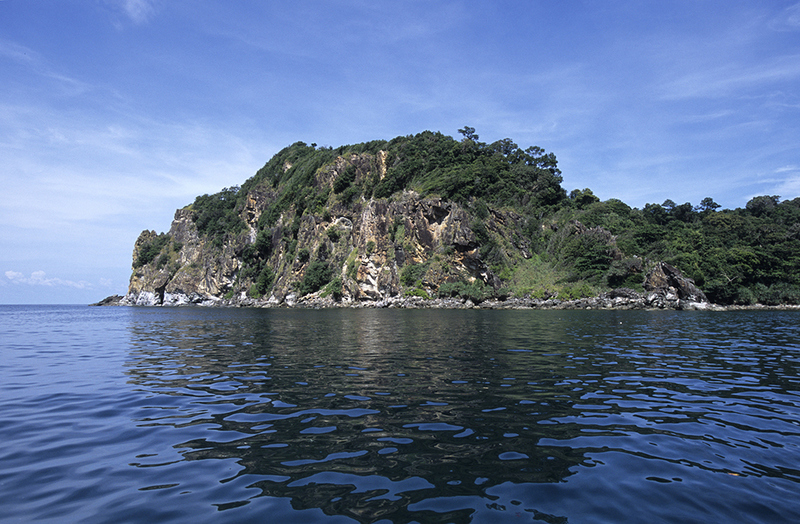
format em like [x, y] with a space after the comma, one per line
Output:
[471, 416]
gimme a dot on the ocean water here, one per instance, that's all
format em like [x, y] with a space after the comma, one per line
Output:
[250, 415]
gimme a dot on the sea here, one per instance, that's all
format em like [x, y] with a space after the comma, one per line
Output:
[152, 415]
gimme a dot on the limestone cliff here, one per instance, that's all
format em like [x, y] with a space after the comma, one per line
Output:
[366, 245]
[349, 248]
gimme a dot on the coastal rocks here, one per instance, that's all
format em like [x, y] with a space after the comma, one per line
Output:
[113, 300]
[668, 281]
[376, 285]
[618, 299]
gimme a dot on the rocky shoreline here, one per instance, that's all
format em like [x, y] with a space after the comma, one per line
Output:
[618, 299]
[665, 288]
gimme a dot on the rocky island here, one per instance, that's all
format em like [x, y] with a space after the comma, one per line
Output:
[430, 221]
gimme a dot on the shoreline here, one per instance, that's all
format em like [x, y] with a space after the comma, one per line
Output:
[606, 301]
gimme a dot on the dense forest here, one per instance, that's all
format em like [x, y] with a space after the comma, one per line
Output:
[569, 244]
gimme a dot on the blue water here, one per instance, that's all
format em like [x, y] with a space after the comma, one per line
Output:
[238, 415]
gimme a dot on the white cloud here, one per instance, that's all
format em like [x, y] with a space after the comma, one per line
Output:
[138, 10]
[39, 278]
[789, 188]
[89, 168]
[788, 169]
[14, 276]
[18, 53]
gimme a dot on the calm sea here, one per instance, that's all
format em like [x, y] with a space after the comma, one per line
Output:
[248, 415]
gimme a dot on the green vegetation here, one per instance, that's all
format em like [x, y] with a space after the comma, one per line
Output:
[500, 173]
[264, 281]
[303, 255]
[535, 238]
[317, 275]
[739, 256]
[149, 251]
[334, 288]
[218, 215]
[412, 274]
[333, 234]
[475, 291]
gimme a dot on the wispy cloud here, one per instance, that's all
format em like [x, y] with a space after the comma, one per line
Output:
[787, 183]
[17, 52]
[40, 278]
[38, 65]
[66, 170]
[139, 11]
[788, 20]
[732, 79]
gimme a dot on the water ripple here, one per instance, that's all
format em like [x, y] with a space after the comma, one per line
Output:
[360, 415]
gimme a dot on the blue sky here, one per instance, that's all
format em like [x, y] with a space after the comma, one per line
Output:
[114, 113]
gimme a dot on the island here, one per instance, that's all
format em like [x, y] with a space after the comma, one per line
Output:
[427, 220]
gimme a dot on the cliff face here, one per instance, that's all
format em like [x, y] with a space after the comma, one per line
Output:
[186, 270]
[367, 249]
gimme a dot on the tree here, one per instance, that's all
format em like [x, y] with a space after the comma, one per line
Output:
[762, 204]
[583, 199]
[683, 212]
[469, 133]
[707, 205]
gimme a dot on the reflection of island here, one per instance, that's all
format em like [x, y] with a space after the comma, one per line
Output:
[360, 413]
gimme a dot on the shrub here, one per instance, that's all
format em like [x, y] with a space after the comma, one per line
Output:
[264, 281]
[577, 290]
[411, 273]
[303, 255]
[334, 288]
[162, 261]
[149, 251]
[352, 264]
[345, 179]
[400, 234]
[216, 215]
[417, 292]
[475, 291]
[349, 194]
[317, 275]
[333, 234]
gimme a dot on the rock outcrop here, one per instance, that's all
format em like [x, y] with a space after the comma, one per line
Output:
[366, 245]
[667, 281]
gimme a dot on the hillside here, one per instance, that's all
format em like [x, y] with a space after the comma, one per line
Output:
[430, 216]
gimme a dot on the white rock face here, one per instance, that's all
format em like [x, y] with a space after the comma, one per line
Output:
[143, 298]
[175, 299]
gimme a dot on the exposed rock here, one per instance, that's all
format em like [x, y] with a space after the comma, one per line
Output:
[113, 300]
[366, 244]
[669, 281]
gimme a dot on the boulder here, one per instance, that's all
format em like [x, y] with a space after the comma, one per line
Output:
[666, 280]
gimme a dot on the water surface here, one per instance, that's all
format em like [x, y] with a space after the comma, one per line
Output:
[246, 415]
